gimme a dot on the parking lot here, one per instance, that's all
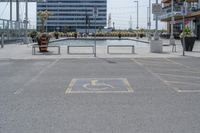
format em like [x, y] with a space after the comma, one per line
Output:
[141, 95]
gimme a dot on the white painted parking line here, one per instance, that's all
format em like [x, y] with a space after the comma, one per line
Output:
[186, 83]
[172, 83]
[183, 76]
[156, 75]
[188, 91]
[20, 90]
[180, 64]
[69, 89]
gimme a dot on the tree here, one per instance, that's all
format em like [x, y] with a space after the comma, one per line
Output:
[43, 15]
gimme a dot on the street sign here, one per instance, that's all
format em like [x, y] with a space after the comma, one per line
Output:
[156, 8]
[184, 8]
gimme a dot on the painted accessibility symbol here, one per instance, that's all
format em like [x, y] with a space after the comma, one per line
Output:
[99, 85]
[95, 85]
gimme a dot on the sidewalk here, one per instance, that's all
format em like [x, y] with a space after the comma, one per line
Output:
[25, 52]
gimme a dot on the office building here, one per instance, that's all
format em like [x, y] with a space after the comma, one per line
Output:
[73, 15]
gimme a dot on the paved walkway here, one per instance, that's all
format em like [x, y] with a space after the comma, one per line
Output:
[25, 52]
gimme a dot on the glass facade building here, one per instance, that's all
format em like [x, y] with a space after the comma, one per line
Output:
[192, 15]
[73, 15]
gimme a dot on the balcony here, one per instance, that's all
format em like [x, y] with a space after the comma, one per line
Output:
[192, 11]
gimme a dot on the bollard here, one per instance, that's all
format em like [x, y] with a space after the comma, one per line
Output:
[2, 40]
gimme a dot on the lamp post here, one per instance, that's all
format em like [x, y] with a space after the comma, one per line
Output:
[26, 23]
[149, 24]
[95, 41]
[156, 35]
[46, 21]
[137, 17]
[58, 27]
[148, 17]
[172, 40]
[156, 44]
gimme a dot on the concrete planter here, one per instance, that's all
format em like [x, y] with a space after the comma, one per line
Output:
[156, 46]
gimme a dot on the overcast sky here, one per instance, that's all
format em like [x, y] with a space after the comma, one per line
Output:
[120, 10]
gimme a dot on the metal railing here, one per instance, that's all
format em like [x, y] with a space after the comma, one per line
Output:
[166, 13]
[12, 30]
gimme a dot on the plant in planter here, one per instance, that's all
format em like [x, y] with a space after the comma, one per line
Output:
[56, 34]
[141, 32]
[43, 38]
[189, 37]
[33, 35]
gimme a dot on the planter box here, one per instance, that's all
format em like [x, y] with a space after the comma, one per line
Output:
[189, 43]
[156, 46]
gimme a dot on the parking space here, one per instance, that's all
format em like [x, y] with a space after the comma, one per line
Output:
[180, 77]
[99, 85]
[99, 95]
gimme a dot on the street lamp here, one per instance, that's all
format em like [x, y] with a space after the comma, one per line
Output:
[26, 23]
[172, 40]
[58, 16]
[149, 24]
[137, 16]
[156, 35]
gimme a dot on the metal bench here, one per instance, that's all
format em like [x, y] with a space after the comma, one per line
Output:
[173, 46]
[42, 46]
[79, 46]
[131, 46]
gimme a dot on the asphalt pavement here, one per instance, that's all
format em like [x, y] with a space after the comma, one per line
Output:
[99, 95]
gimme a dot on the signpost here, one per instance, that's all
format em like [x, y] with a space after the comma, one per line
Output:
[156, 44]
[95, 13]
[184, 13]
[156, 10]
